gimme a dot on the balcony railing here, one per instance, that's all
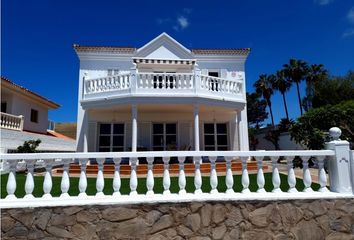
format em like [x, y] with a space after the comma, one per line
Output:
[156, 84]
[338, 155]
[12, 122]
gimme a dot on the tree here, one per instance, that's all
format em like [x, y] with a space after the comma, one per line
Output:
[296, 71]
[29, 146]
[256, 110]
[316, 74]
[333, 90]
[282, 84]
[264, 86]
[310, 129]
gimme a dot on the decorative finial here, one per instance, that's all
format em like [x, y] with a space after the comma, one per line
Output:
[335, 133]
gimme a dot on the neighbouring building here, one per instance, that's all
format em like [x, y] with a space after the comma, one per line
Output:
[24, 116]
[161, 96]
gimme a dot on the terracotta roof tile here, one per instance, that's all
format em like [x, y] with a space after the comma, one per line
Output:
[222, 51]
[79, 48]
[50, 103]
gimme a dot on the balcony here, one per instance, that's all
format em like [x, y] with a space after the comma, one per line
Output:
[169, 85]
[12, 122]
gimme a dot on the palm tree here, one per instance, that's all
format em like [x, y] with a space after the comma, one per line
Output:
[264, 86]
[282, 84]
[316, 73]
[297, 71]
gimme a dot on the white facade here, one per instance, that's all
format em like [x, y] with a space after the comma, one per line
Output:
[17, 101]
[161, 96]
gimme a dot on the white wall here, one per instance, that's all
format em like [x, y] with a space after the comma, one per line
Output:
[285, 143]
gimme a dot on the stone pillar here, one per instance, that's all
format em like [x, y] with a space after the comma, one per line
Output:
[134, 128]
[196, 127]
[339, 164]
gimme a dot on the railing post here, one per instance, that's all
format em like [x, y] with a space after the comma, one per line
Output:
[100, 178]
[197, 73]
[133, 177]
[198, 175]
[260, 175]
[291, 175]
[229, 177]
[116, 178]
[83, 179]
[150, 177]
[65, 181]
[21, 122]
[306, 174]
[181, 176]
[245, 178]
[133, 80]
[48, 184]
[213, 176]
[29, 185]
[275, 175]
[11, 181]
[166, 175]
[339, 165]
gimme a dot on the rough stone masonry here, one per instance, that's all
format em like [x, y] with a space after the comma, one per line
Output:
[296, 219]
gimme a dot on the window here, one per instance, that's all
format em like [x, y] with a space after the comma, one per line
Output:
[170, 81]
[34, 115]
[111, 72]
[111, 137]
[164, 136]
[215, 136]
[3, 107]
[214, 85]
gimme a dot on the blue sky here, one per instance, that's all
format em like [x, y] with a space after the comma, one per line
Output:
[37, 37]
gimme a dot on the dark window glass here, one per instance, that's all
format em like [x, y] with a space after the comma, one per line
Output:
[209, 128]
[213, 74]
[158, 128]
[222, 148]
[105, 141]
[171, 139]
[158, 148]
[222, 139]
[118, 129]
[118, 149]
[221, 128]
[171, 128]
[209, 140]
[105, 128]
[118, 141]
[34, 115]
[158, 140]
[4, 107]
[104, 149]
[209, 148]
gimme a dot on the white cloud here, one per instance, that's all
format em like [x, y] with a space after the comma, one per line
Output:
[323, 2]
[348, 33]
[183, 22]
[350, 15]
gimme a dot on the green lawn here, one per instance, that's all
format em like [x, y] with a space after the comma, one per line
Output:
[158, 187]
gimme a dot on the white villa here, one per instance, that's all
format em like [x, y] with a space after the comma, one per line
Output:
[161, 96]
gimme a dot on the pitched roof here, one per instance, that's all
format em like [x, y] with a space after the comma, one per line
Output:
[222, 51]
[8, 83]
[79, 48]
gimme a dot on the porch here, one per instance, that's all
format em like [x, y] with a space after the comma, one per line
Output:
[163, 127]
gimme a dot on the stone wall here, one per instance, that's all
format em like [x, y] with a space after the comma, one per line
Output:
[310, 219]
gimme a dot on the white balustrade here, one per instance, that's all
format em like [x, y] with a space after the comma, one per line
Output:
[181, 176]
[220, 85]
[166, 176]
[83, 179]
[229, 158]
[100, 178]
[133, 177]
[306, 174]
[291, 175]
[116, 179]
[166, 81]
[109, 83]
[65, 181]
[13, 122]
[150, 177]
[29, 184]
[260, 175]
[198, 175]
[229, 177]
[275, 175]
[213, 176]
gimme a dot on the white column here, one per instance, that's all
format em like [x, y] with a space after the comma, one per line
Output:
[243, 129]
[339, 165]
[236, 138]
[196, 127]
[134, 127]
